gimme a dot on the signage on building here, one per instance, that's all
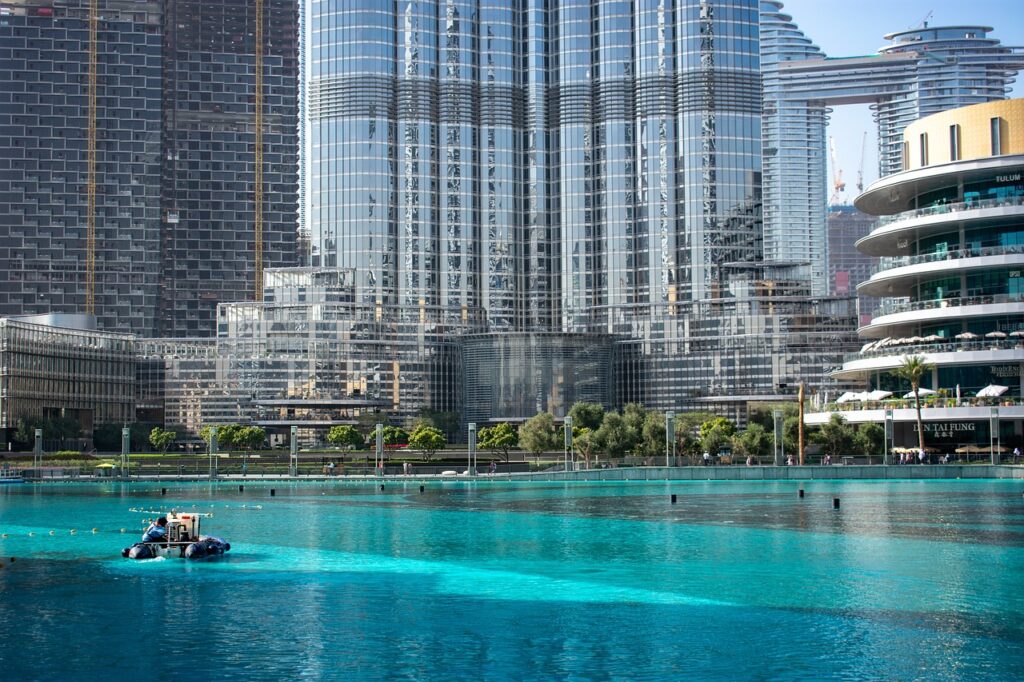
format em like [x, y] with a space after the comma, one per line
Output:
[949, 430]
[1006, 371]
[1009, 178]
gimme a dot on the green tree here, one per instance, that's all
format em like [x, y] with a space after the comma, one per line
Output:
[250, 437]
[836, 437]
[161, 439]
[25, 431]
[653, 435]
[715, 434]
[499, 438]
[395, 435]
[613, 438]
[870, 439]
[587, 415]
[914, 369]
[427, 439]
[228, 436]
[538, 434]
[584, 440]
[790, 434]
[754, 441]
[345, 435]
[633, 416]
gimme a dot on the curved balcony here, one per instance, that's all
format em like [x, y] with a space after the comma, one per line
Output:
[889, 230]
[892, 262]
[894, 307]
[942, 209]
[899, 317]
[896, 276]
[950, 346]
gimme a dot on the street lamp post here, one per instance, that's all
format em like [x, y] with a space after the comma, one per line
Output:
[994, 436]
[670, 438]
[213, 453]
[568, 441]
[378, 455]
[293, 447]
[886, 457]
[126, 444]
[778, 451]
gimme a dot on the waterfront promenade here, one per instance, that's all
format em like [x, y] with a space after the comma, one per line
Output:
[647, 473]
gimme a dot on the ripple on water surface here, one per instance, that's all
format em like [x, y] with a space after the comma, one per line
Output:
[909, 580]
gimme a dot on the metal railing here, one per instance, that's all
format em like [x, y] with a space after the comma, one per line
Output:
[890, 262]
[950, 346]
[940, 209]
[891, 307]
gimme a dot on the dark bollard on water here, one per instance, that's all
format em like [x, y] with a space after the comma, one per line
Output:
[421, 489]
[163, 491]
[382, 486]
[673, 498]
[241, 488]
[273, 492]
[835, 503]
[800, 493]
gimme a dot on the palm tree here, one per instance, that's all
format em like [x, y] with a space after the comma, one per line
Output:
[913, 369]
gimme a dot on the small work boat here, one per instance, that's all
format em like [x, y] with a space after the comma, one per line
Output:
[183, 541]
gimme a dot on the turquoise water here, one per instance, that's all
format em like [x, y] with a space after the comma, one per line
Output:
[499, 581]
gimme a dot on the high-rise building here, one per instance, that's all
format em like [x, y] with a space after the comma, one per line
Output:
[920, 72]
[172, 180]
[848, 267]
[207, 189]
[587, 168]
[45, 162]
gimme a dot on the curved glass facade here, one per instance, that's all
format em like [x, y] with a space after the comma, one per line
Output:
[561, 167]
[515, 376]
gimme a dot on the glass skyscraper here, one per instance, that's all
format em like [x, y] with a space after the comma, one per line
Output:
[573, 167]
[557, 165]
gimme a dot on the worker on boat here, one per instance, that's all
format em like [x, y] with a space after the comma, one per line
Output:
[157, 531]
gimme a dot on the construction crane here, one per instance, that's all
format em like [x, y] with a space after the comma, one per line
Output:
[838, 186]
[860, 168]
[258, 180]
[90, 218]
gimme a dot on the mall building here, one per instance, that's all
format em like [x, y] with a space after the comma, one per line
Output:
[950, 243]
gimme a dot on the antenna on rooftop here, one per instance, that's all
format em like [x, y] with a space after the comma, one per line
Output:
[924, 22]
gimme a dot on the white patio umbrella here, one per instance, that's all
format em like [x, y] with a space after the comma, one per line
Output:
[868, 346]
[958, 392]
[933, 338]
[967, 336]
[878, 394]
[995, 335]
[920, 391]
[992, 391]
[1018, 333]
[847, 397]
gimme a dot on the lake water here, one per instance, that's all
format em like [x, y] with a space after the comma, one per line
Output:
[530, 581]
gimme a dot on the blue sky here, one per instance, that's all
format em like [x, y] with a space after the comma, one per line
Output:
[844, 28]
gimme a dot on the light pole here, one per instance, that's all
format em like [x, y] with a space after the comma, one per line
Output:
[670, 438]
[779, 453]
[471, 450]
[37, 450]
[568, 441]
[126, 444]
[886, 457]
[213, 453]
[378, 455]
[293, 447]
[994, 436]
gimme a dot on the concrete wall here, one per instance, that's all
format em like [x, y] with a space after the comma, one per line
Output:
[802, 473]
